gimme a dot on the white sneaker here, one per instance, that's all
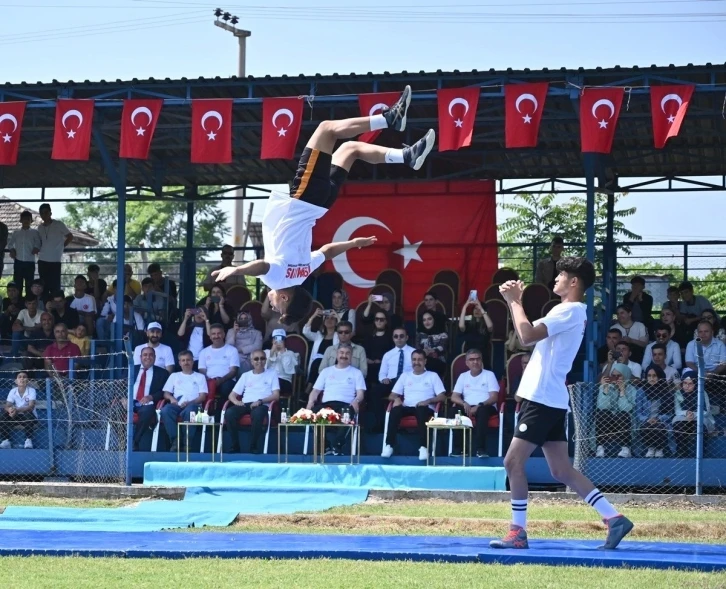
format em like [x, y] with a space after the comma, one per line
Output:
[659, 453]
[387, 451]
[624, 452]
[650, 453]
[28, 444]
[423, 453]
[5, 444]
[600, 452]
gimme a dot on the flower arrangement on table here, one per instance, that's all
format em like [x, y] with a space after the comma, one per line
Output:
[327, 416]
[307, 417]
[303, 416]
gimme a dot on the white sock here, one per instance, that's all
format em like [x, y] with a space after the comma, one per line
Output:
[519, 512]
[597, 501]
[378, 122]
[394, 156]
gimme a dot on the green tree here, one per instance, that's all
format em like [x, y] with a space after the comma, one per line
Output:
[158, 223]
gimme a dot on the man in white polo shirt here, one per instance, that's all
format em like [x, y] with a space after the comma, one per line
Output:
[475, 395]
[252, 394]
[84, 303]
[54, 237]
[343, 387]
[164, 355]
[414, 394]
[219, 363]
[186, 392]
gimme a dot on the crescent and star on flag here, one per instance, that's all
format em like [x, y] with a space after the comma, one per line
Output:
[465, 103]
[141, 110]
[8, 117]
[603, 102]
[72, 113]
[520, 99]
[282, 131]
[212, 114]
[666, 99]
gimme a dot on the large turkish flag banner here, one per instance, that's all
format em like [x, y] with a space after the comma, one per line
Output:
[11, 126]
[523, 108]
[599, 113]
[138, 124]
[668, 107]
[421, 228]
[73, 124]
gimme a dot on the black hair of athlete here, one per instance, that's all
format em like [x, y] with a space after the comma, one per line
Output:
[298, 307]
[580, 268]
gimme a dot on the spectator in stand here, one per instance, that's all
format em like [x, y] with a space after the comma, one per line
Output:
[386, 305]
[132, 287]
[54, 237]
[58, 354]
[639, 301]
[686, 407]
[272, 321]
[714, 352]
[612, 339]
[614, 413]
[414, 394]
[96, 286]
[431, 305]
[84, 303]
[692, 306]
[633, 332]
[658, 360]
[621, 355]
[165, 287]
[475, 394]
[227, 255]
[185, 392]
[518, 379]
[219, 362]
[246, 339]
[474, 330]
[62, 312]
[252, 395]
[358, 358]
[148, 392]
[133, 322]
[19, 411]
[322, 339]
[285, 362]
[27, 321]
[433, 340]
[218, 310]
[3, 244]
[37, 288]
[546, 271]
[718, 331]
[672, 350]
[513, 344]
[655, 412]
[679, 332]
[341, 307]
[12, 305]
[150, 303]
[24, 244]
[39, 340]
[378, 343]
[194, 330]
[342, 386]
[80, 337]
[164, 355]
[673, 296]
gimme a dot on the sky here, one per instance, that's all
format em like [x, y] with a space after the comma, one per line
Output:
[45, 40]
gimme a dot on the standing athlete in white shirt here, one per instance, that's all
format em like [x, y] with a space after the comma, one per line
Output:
[543, 415]
[289, 219]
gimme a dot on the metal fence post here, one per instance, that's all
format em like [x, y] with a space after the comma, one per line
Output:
[129, 410]
[699, 415]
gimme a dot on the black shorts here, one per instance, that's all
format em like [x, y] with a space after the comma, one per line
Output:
[539, 423]
[317, 180]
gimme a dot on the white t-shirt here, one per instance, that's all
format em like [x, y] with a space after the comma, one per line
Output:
[218, 361]
[476, 389]
[287, 234]
[24, 400]
[636, 331]
[185, 387]
[340, 384]
[418, 387]
[196, 341]
[52, 238]
[253, 387]
[29, 323]
[86, 304]
[544, 378]
[164, 355]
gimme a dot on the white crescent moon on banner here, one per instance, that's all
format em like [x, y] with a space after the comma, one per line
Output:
[522, 97]
[667, 98]
[340, 263]
[456, 101]
[283, 111]
[72, 113]
[144, 110]
[604, 102]
[376, 107]
[213, 114]
[8, 117]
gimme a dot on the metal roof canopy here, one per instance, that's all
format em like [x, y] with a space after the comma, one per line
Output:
[700, 150]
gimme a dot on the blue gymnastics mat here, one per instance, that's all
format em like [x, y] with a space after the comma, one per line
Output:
[703, 557]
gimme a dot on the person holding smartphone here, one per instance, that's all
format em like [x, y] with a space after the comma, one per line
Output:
[216, 307]
[474, 329]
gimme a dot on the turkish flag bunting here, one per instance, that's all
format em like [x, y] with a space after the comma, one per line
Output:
[371, 104]
[599, 112]
[523, 108]
[420, 230]
[281, 122]
[73, 125]
[138, 123]
[457, 113]
[11, 125]
[668, 106]
[212, 131]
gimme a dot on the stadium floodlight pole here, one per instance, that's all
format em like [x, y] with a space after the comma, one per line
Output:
[225, 20]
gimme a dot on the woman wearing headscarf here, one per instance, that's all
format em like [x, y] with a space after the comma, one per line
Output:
[686, 411]
[386, 305]
[245, 338]
[431, 305]
[655, 411]
[613, 416]
[433, 340]
[341, 307]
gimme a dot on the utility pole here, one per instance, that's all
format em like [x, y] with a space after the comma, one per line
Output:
[228, 22]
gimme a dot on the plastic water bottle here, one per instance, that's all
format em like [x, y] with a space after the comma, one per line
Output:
[457, 421]
[283, 416]
[192, 417]
[346, 416]
[205, 417]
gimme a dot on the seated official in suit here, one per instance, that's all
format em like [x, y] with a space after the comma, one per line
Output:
[148, 391]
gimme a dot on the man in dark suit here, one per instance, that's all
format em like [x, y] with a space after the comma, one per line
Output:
[148, 391]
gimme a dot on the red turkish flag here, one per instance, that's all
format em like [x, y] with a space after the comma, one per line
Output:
[371, 104]
[523, 108]
[281, 123]
[138, 124]
[599, 112]
[421, 229]
[457, 113]
[73, 125]
[668, 106]
[212, 131]
[11, 125]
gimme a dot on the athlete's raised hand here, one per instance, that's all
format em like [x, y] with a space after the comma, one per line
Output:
[222, 274]
[511, 290]
[360, 242]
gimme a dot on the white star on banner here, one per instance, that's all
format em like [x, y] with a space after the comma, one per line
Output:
[603, 124]
[140, 131]
[7, 138]
[71, 134]
[282, 132]
[671, 119]
[459, 123]
[409, 251]
[526, 119]
[212, 135]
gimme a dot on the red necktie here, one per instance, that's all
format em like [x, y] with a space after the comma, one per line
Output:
[142, 386]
